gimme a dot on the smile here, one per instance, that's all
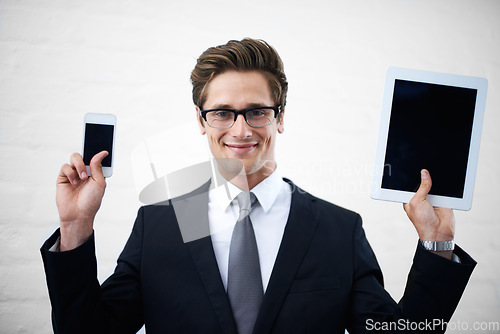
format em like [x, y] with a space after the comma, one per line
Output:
[241, 148]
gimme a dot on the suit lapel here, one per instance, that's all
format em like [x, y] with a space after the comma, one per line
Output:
[192, 215]
[204, 258]
[298, 232]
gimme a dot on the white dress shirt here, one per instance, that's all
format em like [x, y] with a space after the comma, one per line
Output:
[268, 218]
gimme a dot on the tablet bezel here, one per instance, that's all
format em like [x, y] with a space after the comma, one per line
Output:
[395, 73]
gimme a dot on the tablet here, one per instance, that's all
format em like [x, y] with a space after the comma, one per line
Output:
[432, 121]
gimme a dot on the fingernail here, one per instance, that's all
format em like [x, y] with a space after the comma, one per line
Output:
[74, 182]
[84, 175]
[424, 174]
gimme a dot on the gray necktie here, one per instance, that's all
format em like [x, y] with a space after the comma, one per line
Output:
[244, 282]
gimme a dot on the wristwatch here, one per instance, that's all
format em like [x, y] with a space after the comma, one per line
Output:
[438, 246]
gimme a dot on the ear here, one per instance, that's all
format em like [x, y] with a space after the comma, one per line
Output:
[200, 121]
[281, 125]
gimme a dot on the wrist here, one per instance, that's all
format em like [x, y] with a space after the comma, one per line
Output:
[74, 235]
[438, 246]
[441, 248]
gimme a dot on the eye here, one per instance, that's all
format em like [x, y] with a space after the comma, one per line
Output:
[257, 112]
[221, 113]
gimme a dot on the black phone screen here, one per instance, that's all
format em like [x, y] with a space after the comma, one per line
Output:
[430, 127]
[98, 137]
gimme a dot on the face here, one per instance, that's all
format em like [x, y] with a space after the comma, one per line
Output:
[251, 147]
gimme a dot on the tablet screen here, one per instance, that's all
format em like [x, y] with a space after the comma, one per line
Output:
[430, 127]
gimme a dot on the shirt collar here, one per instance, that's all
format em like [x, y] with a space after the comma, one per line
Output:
[266, 192]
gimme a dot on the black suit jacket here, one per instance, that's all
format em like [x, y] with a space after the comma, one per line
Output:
[325, 278]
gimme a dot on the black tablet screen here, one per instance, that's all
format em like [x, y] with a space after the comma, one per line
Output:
[430, 127]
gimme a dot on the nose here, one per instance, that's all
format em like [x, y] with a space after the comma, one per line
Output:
[240, 128]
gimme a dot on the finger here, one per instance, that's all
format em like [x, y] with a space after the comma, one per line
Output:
[425, 186]
[68, 174]
[96, 167]
[405, 207]
[76, 161]
[445, 214]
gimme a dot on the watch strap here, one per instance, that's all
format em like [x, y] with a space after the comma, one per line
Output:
[438, 246]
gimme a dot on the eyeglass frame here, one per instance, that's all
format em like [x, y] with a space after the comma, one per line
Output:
[203, 113]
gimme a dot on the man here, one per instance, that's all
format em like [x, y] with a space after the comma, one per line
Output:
[294, 264]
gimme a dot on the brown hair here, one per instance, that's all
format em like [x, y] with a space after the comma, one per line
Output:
[245, 55]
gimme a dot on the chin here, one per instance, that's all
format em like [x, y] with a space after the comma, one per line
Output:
[231, 165]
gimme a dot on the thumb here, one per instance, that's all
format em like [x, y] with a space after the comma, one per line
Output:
[425, 186]
[96, 167]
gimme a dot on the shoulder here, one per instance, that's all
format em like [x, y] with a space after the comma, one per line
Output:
[321, 208]
[155, 216]
[198, 194]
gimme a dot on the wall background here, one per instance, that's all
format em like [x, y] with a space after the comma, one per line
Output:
[60, 59]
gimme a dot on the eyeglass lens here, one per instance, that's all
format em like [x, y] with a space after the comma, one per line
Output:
[254, 117]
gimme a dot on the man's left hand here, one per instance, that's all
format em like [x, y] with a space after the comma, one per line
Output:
[432, 223]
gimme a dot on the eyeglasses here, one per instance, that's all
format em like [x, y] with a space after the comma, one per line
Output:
[223, 118]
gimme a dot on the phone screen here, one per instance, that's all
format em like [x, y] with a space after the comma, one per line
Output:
[98, 137]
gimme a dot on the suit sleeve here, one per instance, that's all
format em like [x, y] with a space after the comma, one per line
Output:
[79, 303]
[433, 290]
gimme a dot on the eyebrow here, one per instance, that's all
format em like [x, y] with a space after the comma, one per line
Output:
[227, 106]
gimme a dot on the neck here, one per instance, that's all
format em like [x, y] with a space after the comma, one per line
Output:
[244, 181]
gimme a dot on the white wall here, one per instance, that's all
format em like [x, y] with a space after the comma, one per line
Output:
[60, 59]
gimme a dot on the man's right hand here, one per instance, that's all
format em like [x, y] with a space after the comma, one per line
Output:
[78, 199]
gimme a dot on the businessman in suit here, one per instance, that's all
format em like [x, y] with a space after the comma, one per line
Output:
[258, 256]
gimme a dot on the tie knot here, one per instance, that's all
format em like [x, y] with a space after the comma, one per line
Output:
[246, 200]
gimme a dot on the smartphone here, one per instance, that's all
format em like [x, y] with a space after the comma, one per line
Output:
[99, 135]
